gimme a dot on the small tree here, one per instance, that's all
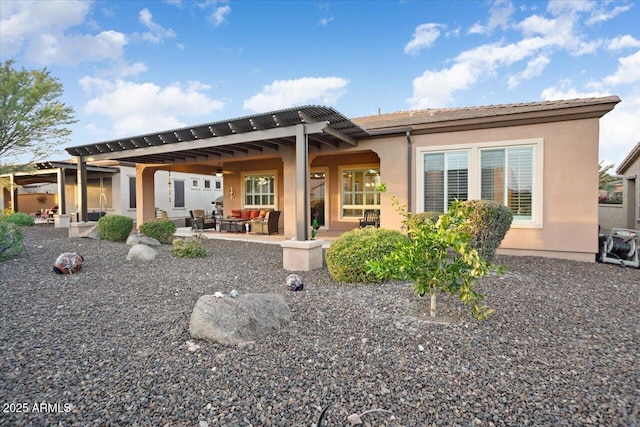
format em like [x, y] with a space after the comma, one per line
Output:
[426, 259]
[32, 120]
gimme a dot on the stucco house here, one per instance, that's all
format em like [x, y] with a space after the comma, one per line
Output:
[538, 158]
[110, 187]
[629, 169]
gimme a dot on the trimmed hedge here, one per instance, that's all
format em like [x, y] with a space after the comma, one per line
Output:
[10, 239]
[160, 229]
[191, 248]
[414, 219]
[115, 228]
[490, 222]
[347, 257]
[21, 219]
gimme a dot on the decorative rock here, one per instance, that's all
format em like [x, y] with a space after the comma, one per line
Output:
[141, 253]
[240, 320]
[233, 294]
[140, 239]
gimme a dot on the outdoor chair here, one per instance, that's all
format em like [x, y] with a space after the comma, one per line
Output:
[199, 220]
[267, 225]
[371, 218]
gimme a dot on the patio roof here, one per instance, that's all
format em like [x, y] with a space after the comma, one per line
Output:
[47, 172]
[226, 138]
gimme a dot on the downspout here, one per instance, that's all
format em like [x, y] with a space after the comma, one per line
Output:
[409, 169]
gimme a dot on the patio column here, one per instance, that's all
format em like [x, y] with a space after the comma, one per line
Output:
[82, 188]
[145, 194]
[302, 184]
[14, 193]
[62, 199]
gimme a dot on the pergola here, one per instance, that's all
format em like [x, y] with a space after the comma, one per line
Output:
[52, 173]
[299, 128]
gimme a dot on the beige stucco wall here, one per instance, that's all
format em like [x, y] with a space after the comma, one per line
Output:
[611, 216]
[631, 196]
[569, 219]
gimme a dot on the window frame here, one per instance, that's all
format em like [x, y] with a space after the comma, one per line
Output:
[475, 172]
[355, 168]
[445, 196]
[175, 194]
[132, 192]
[260, 174]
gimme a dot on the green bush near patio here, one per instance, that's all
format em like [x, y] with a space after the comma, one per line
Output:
[21, 219]
[347, 257]
[191, 248]
[160, 229]
[115, 228]
[489, 222]
[10, 239]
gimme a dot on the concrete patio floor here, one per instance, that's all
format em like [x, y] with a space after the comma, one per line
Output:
[274, 239]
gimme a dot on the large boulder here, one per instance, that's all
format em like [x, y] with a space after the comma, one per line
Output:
[238, 320]
[141, 253]
[141, 239]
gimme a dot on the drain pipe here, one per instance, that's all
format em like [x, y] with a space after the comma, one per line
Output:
[409, 167]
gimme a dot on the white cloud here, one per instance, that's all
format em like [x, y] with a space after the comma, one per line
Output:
[627, 71]
[288, 93]
[477, 28]
[22, 21]
[134, 108]
[72, 49]
[535, 67]
[219, 16]
[603, 15]
[624, 42]
[424, 36]
[325, 21]
[156, 32]
[500, 14]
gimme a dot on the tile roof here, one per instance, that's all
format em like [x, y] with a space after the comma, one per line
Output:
[434, 115]
[628, 161]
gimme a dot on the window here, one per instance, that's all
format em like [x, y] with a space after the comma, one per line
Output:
[178, 199]
[446, 177]
[132, 192]
[195, 184]
[359, 191]
[508, 172]
[507, 177]
[218, 185]
[99, 193]
[260, 191]
[207, 184]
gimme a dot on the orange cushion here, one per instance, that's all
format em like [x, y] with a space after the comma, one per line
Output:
[246, 214]
[262, 214]
[254, 214]
[236, 213]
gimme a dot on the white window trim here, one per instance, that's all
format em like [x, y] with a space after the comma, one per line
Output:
[173, 188]
[273, 172]
[475, 171]
[341, 169]
[204, 188]
[197, 181]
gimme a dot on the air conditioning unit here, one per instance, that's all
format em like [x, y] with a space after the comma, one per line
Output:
[619, 247]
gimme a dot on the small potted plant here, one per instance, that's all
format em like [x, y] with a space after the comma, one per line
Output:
[314, 225]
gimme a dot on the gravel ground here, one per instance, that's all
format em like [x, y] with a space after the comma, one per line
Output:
[107, 346]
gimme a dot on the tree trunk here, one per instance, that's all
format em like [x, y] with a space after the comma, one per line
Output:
[432, 311]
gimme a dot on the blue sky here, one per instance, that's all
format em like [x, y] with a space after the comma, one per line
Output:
[131, 67]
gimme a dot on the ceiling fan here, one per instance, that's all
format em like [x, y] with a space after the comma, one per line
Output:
[220, 172]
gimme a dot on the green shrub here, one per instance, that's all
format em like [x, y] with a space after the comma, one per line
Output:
[115, 228]
[347, 257]
[422, 217]
[190, 249]
[21, 219]
[160, 229]
[489, 222]
[10, 239]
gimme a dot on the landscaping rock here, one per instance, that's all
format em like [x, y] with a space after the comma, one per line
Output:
[142, 253]
[140, 239]
[92, 233]
[246, 318]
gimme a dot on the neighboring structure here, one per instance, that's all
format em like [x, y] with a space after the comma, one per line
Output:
[629, 169]
[539, 158]
[110, 188]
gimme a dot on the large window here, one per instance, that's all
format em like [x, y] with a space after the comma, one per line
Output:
[359, 191]
[508, 172]
[132, 192]
[507, 177]
[446, 178]
[260, 191]
[178, 199]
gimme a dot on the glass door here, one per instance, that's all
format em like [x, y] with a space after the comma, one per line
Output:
[317, 196]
